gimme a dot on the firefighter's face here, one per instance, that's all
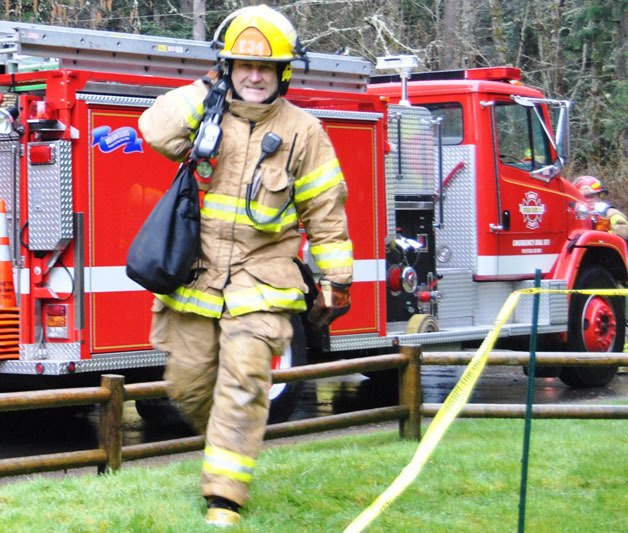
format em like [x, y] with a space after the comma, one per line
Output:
[254, 81]
[591, 199]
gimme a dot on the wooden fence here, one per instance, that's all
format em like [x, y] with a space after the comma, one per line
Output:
[112, 393]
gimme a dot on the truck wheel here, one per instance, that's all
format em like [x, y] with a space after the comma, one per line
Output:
[596, 324]
[284, 396]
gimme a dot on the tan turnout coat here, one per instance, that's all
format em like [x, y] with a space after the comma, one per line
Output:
[305, 165]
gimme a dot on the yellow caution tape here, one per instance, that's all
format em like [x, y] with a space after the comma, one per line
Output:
[453, 404]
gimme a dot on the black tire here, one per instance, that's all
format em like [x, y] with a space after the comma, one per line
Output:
[160, 412]
[284, 396]
[596, 324]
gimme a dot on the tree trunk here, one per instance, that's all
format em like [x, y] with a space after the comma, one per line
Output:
[198, 23]
[622, 45]
[448, 34]
[497, 24]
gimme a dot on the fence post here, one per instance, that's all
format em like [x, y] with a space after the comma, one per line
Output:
[110, 428]
[410, 393]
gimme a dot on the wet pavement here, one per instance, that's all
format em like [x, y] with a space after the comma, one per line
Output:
[38, 432]
[496, 385]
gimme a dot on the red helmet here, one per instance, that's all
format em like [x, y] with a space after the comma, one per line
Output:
[589, 186]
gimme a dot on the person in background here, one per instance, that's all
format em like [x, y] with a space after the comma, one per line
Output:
[275, 165]
[593, 191]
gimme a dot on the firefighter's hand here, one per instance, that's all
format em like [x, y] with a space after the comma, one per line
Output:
[333, 300]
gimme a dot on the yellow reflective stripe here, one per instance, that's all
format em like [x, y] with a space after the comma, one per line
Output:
[195, 111]
[618, 218]
[317, 181]
[229, 464]
[263, 298]
[334, 255]
[187, 300]
[232, 209]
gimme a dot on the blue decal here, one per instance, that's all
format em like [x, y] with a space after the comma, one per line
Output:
[108, 140]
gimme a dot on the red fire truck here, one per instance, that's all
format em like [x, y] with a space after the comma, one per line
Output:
[455, 200]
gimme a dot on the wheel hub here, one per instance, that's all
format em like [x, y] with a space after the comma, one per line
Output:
[599, 325]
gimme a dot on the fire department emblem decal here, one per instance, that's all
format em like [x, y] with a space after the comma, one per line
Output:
[107, 140]
[532, 209]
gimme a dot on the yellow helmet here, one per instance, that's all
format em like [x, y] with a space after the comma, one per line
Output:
[258, 33]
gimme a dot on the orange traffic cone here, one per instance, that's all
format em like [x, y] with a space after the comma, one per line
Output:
[9, 313]
[7, 294]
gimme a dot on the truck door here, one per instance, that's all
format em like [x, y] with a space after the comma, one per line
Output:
[531, 209]
[126, 181]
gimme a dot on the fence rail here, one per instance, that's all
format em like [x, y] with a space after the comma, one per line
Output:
[112, 394]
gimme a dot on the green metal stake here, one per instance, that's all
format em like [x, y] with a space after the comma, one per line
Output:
[529, 401]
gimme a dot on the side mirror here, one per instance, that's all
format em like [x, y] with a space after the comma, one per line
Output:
[545, 173]
[562, 132]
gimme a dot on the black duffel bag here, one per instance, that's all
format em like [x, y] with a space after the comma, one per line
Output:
[161, 256]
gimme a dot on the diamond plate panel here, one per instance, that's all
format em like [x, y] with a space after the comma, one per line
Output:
[553, 308]
[9, 186]
[490, 299]
[359, 342]
[103, 363]
[66, 351]
[456, 241]
[107, 99]
[50, 199]
[410, 163]
[458, 297]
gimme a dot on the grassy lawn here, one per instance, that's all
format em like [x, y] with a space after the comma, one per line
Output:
[576, 483]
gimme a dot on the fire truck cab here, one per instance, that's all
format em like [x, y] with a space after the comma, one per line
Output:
[503, 210]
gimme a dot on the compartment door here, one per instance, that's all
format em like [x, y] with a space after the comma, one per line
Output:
[127, 178]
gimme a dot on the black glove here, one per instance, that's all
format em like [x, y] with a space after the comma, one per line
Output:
[333, 300]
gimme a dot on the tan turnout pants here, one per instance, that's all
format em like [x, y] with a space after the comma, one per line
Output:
[219, 375]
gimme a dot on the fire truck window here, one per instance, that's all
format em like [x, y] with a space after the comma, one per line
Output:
[521, 139]
[451, 125]
[540, 145]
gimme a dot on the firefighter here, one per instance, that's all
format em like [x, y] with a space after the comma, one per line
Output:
[221, 329]
[593, 191]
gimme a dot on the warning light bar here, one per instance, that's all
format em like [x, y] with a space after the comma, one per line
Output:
[494, 74]
[41, 110]
[503, 74]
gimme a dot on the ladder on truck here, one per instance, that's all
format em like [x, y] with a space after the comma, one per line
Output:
[105, 51]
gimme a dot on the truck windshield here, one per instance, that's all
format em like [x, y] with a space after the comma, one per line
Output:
[522, 141]
[451, 113]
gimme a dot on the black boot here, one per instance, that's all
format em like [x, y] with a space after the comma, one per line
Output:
[222, 512]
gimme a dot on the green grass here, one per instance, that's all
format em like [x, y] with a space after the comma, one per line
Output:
[576, 483]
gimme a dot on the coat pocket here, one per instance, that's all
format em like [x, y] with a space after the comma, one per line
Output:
[274, 194]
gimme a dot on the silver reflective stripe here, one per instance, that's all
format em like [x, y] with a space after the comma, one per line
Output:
[229, 464]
